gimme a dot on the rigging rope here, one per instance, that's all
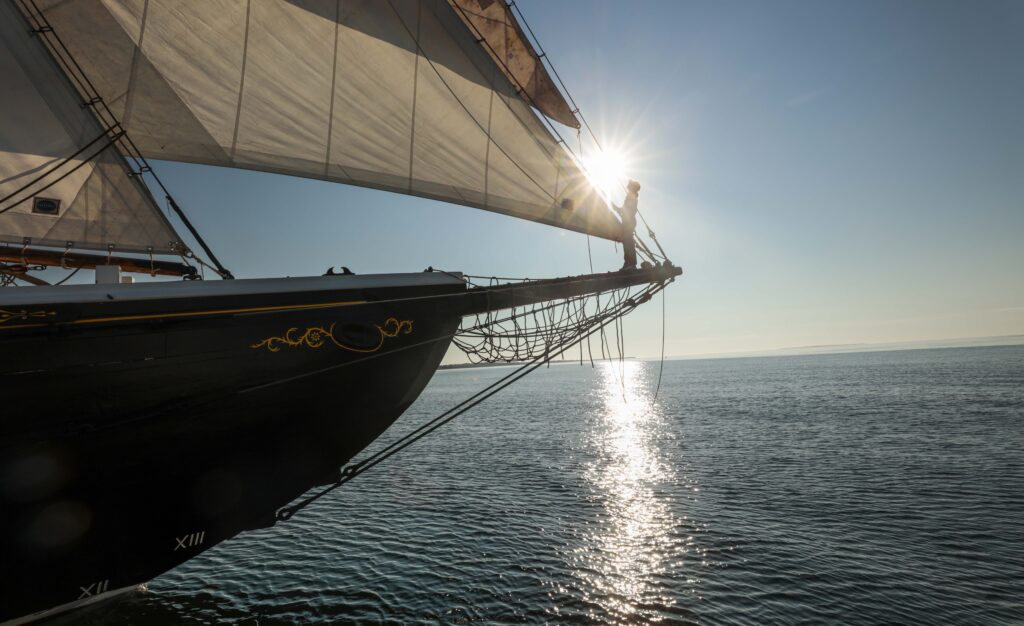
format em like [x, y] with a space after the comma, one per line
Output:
[576, 156]
[531, 330]
[68, 277]
[593, 325]
[546, 61]
[111, 138]
[661, 365]
[128, 150]
[81, 164]
[465, 108]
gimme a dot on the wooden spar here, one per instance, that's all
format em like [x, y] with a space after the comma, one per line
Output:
[510, 295]
[35, 256]
[19, 272]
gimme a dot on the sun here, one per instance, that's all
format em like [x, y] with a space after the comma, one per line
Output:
[606, 170]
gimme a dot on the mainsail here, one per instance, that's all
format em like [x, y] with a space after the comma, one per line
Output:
[62, 180]
[410, 96]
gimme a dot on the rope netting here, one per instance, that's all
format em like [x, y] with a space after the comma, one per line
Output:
[531, 331]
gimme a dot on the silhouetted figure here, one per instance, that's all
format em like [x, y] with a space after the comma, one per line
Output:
[628, 213]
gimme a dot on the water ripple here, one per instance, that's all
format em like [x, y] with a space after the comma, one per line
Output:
[857, 488]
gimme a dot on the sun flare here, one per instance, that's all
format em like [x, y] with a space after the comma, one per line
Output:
[607, 172]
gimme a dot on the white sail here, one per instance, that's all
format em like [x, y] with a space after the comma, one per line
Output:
[391, 94]
[86, 201]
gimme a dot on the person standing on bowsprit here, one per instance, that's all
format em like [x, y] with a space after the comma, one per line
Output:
[628, 214]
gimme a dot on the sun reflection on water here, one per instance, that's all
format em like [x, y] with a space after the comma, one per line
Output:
[631, 552]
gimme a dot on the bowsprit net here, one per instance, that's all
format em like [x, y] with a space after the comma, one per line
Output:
[534, 330]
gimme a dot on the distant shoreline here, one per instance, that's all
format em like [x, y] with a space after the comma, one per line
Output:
[849, 348]
[853, 348]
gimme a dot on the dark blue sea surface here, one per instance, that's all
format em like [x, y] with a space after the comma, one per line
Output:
[881, 487]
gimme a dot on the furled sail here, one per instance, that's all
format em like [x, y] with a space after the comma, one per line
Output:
[62, 181]
[391, 94]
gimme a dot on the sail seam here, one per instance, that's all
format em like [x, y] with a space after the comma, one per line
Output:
[487, 150]
[241, 80]
[130, 94]
[521, 90]
[334, 78]
[507, 82]
[451, 91]
[415, 81]
[370, 102]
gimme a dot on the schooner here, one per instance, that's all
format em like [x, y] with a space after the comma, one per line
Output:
[144, 422]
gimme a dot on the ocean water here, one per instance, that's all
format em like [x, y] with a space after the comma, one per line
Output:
[883, 487]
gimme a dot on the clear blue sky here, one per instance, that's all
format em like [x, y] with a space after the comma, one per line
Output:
[826, 172]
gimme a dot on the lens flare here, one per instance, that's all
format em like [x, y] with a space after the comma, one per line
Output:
[606, 170]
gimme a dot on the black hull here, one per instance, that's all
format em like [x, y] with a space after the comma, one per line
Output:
[144, 424]
[131, 445]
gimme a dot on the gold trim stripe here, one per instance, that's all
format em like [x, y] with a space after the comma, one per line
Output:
[124, 318]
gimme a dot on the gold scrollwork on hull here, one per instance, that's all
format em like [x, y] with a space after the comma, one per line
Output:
[7, 316]
[320, 336]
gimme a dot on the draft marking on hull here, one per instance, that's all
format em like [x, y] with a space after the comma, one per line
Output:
[94, 589]
[190, 540]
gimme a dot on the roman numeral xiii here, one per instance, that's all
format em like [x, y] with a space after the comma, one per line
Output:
[94, 589]
[190, 540]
